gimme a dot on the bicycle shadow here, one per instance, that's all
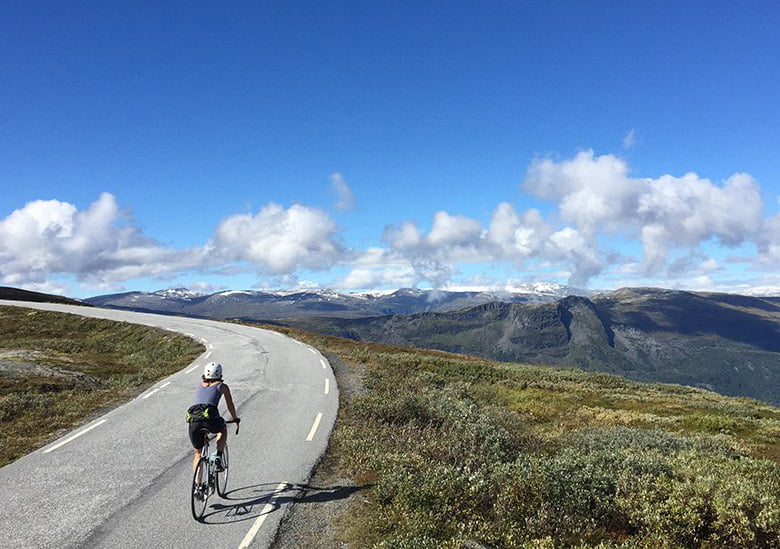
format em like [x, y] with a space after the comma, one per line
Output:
[251, 502]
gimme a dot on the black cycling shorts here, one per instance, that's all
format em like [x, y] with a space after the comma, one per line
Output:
[197, 428]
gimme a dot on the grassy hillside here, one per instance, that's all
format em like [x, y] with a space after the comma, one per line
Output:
[16, 294]
[444, 449]
[57, 370]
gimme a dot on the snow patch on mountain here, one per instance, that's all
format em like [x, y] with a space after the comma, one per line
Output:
[761, 291]
[237, 292]
[176, 293]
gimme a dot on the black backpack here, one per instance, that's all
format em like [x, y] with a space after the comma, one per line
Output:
[201, 412]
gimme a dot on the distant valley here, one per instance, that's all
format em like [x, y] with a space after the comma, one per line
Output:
[722, 342]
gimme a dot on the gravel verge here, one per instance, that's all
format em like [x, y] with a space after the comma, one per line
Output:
[312, 521]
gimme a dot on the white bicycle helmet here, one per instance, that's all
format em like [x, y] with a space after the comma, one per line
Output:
[212, 371]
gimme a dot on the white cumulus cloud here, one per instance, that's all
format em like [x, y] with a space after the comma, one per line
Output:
[278, 240]
[592, 192]
[596, 195]
[454, 230]
[103, 247]
[517, 237]
[432, 256]
[671, 225]
[511, 237]
[99, 244]
[769, 244]
[596, 199]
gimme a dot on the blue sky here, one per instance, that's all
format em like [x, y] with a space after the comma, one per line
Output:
[368, 145]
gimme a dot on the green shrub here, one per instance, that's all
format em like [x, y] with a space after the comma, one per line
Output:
[709, 499]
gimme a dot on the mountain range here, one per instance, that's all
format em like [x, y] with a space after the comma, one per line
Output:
[286, 305]
[723, 342]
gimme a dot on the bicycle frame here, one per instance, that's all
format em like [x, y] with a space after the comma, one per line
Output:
[206, 452]
[209, 457]
[206, 479]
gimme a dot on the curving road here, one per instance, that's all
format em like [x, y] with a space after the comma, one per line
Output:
[124, 480]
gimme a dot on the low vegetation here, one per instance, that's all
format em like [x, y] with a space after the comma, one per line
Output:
[454, 449]
[57, 370]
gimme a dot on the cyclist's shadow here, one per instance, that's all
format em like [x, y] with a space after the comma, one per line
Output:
[251, 502]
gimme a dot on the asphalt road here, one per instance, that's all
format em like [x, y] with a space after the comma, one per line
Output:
[125, 481]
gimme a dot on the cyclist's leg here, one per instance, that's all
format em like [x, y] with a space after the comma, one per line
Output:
[219, 427]
[196, 437]
[221, 439]
[195, 459]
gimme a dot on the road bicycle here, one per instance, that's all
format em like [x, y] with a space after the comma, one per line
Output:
[207, 478]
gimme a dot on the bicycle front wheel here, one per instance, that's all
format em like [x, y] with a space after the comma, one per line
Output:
[222, 478]
[200, 490]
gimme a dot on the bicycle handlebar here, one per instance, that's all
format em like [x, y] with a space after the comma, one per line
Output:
[236, 421]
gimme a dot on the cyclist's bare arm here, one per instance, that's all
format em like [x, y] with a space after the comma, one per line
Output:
[229, 400]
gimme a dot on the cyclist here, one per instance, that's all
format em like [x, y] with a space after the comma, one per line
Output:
[204, 414]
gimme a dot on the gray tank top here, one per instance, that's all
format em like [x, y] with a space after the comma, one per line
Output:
[208, 395]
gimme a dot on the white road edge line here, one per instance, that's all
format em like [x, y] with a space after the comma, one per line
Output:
[150, 393]
[327, 385]
[314, 427]
[192, 369]
[198, 338]
[322, 361]
[77, 435]
[250, 536]
[312, 350]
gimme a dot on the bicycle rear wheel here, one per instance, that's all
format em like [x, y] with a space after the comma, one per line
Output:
[200, 490]
[222, 478]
